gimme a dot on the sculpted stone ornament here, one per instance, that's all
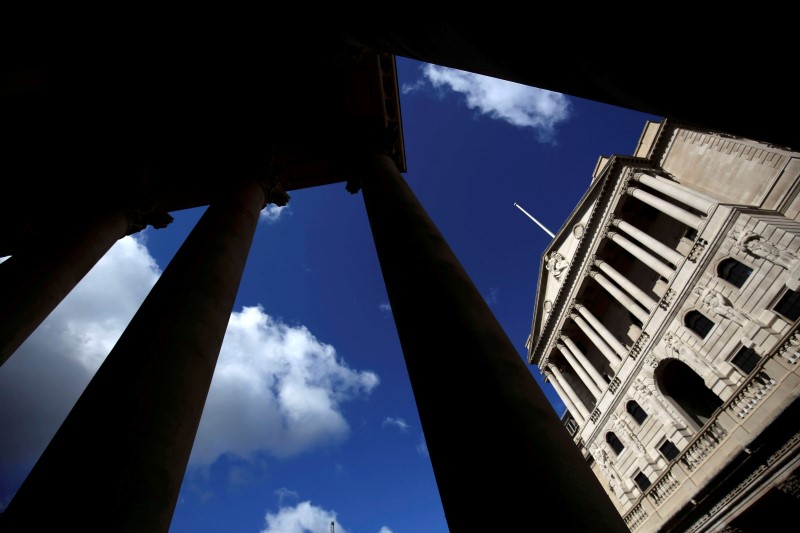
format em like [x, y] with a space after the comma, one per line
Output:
[676, 348]
[642, 388]
[720, 305]
[752, 243]
[556, 263]
[601, 457]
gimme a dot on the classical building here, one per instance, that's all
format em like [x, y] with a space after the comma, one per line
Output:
[666, 319]
[108, 128]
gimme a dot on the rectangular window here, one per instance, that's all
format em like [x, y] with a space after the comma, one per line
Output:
[669, 450]
[789, 305]
[572, 426]
[642, 481]
[746, 359]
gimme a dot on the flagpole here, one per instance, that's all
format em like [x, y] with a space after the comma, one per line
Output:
[537, 222]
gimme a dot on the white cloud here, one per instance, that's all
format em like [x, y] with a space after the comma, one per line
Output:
[397, 422]
[519, 105]
[272, 213]
[302, 518]
[276, 389]
[283, 493]
[422, 447]
[385, 529]
[41, 382]
[385, 307]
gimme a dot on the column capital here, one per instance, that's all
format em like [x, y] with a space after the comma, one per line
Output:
[143, 214]
[274, 192]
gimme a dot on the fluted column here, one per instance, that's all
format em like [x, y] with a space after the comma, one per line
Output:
[626, 301]
[641, 297]
[583, 360]
[580, 371]
[597, 340]
[642, 255]
[35, 280]
[668, 208]
[570, 392]
[679, 192]
[650, 242]
[438, 312]
[118, 461]
[566, 399]
[604, 332]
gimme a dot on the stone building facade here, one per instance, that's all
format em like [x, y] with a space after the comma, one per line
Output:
[666, 319]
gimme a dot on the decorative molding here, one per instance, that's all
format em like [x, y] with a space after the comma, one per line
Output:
[595, 415]
[697, 250]
[614, 385]
[667, 299]
[636, 349]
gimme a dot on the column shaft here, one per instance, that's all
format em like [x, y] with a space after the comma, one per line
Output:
[641, 297]
[118, 460]
[570, 393]
[439, 313]
[654, 244]
[567, 400]
[604, 332]
[677, 191]
[626, 301]
[583, 360]
[34, 281]
[642, 255]
[668, 208]
[597, 340]
[580, 371]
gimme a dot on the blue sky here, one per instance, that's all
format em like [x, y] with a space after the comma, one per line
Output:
[310, 417]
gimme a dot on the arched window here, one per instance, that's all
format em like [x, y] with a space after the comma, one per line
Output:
[636, 412]
[698, 322]
[614, 442]
[733, 271]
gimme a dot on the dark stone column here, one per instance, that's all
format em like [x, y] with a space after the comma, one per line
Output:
[34, 281]
[503, 460]
[118, 461]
